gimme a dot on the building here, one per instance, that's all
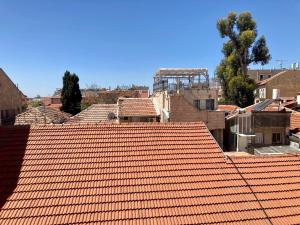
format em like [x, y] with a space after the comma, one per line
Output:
[96, 113]
[12, 100]
[263, 124]
[228, 109]
[139, 173]
[184, 95]
[285, 84]
[42, 115]
[52, 102]
[137, 110]
[262, 74]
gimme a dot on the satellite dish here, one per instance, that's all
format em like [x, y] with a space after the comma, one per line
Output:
[111, 116]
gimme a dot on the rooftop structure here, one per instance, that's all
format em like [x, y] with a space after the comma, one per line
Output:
[174, 79]
[42, 115]
[262, 124]
[139, 173]
[262, 74]
[136, 107]
[96, 113]
[277, 149]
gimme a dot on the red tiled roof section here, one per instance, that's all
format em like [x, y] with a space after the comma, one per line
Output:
[96, 113]
[275, 182]
[138, 173]
[136, 107]
[227, 108]
[126, 174]
[295, 120]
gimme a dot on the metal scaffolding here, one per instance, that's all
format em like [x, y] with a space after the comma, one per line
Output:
[174, 79]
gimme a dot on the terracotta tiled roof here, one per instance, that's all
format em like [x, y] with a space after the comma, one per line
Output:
[275, 183]
[136, 107]
[138, 174]
[55, 106]
[295, 123]
[227, 108]
[41, 115]
[96, 113]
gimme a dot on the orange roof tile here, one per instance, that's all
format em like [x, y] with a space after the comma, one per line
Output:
[138, 173]
[136, 107]
[295, 120]
[274, 180]
[227, 108]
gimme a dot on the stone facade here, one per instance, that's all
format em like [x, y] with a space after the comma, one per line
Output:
[285, 84]
[11, 100]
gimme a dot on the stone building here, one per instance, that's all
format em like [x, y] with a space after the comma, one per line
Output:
[262, 74]
[12, 100]
[285, 84]
[263, 124]
[184, 95]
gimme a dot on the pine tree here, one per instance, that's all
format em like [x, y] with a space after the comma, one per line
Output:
[71, 95]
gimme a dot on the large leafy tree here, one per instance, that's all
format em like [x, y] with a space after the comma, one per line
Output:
[241, 49]
[70, 94]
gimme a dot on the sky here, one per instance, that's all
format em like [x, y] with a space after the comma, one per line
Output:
[123, 42]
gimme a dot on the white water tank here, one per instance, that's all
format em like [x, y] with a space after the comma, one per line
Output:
[275, 94]
[298, 98]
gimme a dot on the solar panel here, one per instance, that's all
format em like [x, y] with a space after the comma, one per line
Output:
[260, 106]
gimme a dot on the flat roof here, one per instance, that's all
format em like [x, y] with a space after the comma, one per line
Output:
[278, 149]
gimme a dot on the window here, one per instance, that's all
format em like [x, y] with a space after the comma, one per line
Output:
[258, 138]
[262, 93]
[276, 138]
[210, 104]
[197, 103]
[126, 118]
[200, 104]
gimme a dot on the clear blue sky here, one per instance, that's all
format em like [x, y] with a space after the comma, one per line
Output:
[124, 41]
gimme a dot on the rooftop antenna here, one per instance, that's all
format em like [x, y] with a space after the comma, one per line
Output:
[280, 61]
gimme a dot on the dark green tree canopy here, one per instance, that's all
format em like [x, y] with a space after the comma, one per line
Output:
[71, 94]
[241, 49]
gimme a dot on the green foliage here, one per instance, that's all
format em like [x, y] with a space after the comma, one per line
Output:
[70, 94]
[36, 103]
[241, 91]
[84, 105]
[240, 50]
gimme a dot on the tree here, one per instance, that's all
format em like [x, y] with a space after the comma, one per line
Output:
[241, 49]
[70, 94]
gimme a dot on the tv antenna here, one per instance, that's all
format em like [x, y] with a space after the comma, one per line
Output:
[280, 61]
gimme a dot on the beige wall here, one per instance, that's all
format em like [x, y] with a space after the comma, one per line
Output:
[288, 83]
[183, 111]
[267, 134]
[139, 119]
[11, 99]
[192, 94]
